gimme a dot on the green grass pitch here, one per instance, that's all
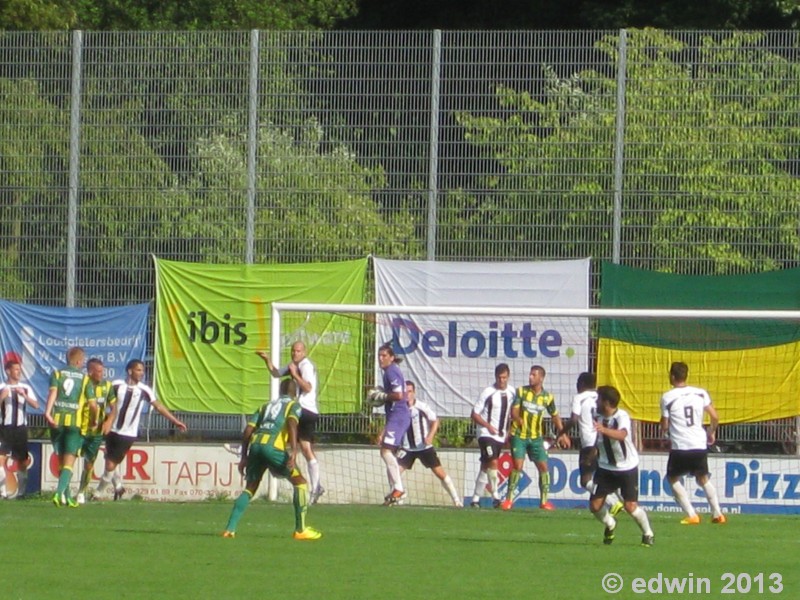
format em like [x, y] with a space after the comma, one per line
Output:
[164, 550]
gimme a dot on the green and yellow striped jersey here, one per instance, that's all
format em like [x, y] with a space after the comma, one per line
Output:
[67, 408]
[271, 422]
[532, 407]
[104, 395]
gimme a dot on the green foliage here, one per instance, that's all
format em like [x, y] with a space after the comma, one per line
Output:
[708, 144]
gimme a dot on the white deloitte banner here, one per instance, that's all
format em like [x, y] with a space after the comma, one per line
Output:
[452, 358]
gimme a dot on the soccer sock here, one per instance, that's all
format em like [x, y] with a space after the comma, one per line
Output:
[2, 476]
[63, 481]
[393, 471]
[683, 499]
[512, 484]
[105, 479]
[238, 509]
[612, 499]
[116, 479]
[492, 475]
[480, 485]
[22, 482]
[713, 501]
[640, 516]
[300, 501]
[86, 477]
[447, 484]
[544, 485]
[605, 517]
[313, 474]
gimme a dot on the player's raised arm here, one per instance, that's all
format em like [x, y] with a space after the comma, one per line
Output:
[270, 365]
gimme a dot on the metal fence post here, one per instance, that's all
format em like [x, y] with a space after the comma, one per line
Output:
[252, 146]
[619, 145]
[433, 166]
[74, 165]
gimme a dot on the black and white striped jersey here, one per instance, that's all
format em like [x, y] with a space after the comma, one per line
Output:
[422, 416]
[130, 401]
[12, 409]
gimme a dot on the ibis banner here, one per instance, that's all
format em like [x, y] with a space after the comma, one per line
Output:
[211, 320]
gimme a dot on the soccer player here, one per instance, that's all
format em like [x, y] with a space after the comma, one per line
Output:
[527, 436]
[304, 373]
[682, 410]
[584, 413]
[264, 446]
[418, 442]
[121, 426]
[15, 396]
[98, 396]
[398, 418]
[617, 466]
[63, 414]
[491, 413]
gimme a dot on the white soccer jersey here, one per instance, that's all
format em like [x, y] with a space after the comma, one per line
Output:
[585, 406]
[617, 455]
[684, 407]
[130, 400]
[12, 409]
[307, 400]
[422, 416]
[495, 407]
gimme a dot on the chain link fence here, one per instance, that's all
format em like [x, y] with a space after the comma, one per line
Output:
[669, 150]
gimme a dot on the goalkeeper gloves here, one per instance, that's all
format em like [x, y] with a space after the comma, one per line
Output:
[377, 396]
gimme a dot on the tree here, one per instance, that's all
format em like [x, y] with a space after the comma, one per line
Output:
[575, 14]
[708, 180]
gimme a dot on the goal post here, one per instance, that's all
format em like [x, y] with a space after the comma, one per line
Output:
[749, 360]
[622, 345]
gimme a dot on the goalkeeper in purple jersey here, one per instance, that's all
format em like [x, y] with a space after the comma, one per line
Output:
[398, 418]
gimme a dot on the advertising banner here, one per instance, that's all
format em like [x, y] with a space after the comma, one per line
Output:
[452, 358]
[39, 336]
[744, 484]
[211, 320]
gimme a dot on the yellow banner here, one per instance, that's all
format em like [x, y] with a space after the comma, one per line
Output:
[745, 385]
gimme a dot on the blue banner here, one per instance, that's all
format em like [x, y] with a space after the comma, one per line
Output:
[39, 337]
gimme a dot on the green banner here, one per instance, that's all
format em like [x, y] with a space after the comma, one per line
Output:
[211, 320]
[627, 287]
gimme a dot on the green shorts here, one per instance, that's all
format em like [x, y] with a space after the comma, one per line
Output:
[66, 440]
[91, 447]
[534, 448]
[261, 457]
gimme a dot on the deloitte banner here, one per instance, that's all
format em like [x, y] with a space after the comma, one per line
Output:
[39, 336]
[452, 358]
[211, 319]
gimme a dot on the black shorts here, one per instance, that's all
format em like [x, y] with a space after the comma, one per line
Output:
[587, 461]
[490, 449]
[687, 462]
[307, 426]
[117, 446]
[428, 458]
[607, 482]
[14, 442]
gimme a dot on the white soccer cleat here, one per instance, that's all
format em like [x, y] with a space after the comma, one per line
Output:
[81, 498]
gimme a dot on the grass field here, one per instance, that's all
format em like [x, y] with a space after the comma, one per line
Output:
[163, 550]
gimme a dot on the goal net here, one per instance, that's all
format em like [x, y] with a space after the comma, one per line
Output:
[749, 361]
